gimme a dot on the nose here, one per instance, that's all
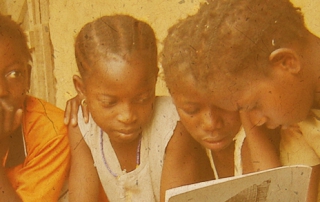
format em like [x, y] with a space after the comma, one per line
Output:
[257, 118]
[211, 121]
[127, 114]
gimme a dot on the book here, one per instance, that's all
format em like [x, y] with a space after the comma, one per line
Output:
[287, 183]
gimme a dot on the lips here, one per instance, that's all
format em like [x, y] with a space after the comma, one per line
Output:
[213, 140]
[129, 131]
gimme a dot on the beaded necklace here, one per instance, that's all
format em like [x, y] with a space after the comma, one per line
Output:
[104, 158]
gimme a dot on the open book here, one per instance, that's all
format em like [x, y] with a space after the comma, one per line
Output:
[288, 183]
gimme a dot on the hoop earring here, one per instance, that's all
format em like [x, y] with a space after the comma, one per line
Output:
[83, 102]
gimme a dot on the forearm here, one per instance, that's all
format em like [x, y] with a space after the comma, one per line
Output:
[83, 178]
[7, 193]
[263, 151]
[83, 183]
[185, 162]
[264, 154]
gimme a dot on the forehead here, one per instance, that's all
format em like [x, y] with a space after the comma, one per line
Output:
[10, 51]
[226, 92]
[121, 74]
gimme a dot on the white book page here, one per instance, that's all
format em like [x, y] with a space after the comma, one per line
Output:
[288, 183]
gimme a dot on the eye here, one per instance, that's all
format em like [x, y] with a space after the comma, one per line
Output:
[190, 110]
[13, 74]
[108, 103]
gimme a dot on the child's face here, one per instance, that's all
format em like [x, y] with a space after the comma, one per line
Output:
[14, 74]
[277, 100]
[212, 127]
[120, 96]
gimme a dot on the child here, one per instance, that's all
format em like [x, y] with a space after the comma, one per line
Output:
[128, 127]
[265, 60]
[211, 47]
[230, 150]
[34, 148]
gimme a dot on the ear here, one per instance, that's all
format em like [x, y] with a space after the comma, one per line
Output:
[79, 85]
[287, 59]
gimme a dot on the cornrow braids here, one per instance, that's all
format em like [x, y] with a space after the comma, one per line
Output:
[107, 36]
[230, 36]
[12, 30]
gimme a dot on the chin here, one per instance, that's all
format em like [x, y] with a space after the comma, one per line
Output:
[127, 138]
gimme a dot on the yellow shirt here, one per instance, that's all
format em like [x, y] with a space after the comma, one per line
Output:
[300, 144]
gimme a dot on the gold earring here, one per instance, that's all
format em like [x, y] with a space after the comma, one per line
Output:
[83, 102]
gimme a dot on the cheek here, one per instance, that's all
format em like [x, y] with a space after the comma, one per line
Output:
[191, 123]
[18, 93]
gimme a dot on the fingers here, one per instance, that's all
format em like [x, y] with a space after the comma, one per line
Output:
[248, 125]
[72, 108]
[251, 128]
[10, 118]
[85, 111]
[67, 112]
[75, 102]
[245, 120]
[71, 111]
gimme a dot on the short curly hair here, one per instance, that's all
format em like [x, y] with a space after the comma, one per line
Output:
[230, 36]
[12, 30]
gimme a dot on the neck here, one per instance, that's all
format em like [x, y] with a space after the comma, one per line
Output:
[224, 161]
[128, 154]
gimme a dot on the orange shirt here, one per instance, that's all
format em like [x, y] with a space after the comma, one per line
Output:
[44, 171]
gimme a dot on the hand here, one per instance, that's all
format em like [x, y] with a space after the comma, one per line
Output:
[262, 142]
[72, 108]
[249, 127]
[10, 119]
[252, 129]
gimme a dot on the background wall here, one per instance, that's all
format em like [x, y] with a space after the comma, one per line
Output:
[53, 24]
[67, 18]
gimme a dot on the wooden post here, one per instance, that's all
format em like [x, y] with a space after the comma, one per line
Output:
[43, 81]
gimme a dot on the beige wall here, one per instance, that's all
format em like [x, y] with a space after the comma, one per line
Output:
[67, 17]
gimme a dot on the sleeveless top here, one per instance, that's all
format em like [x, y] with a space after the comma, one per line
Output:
[143, 183]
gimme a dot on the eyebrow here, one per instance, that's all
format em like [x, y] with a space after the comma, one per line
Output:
[15, 62]
[102, 95]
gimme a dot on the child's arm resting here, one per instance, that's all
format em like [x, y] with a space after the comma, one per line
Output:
[9, 121]
[72, 108]
[263, 150]
[84, 179]
[185, 162]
